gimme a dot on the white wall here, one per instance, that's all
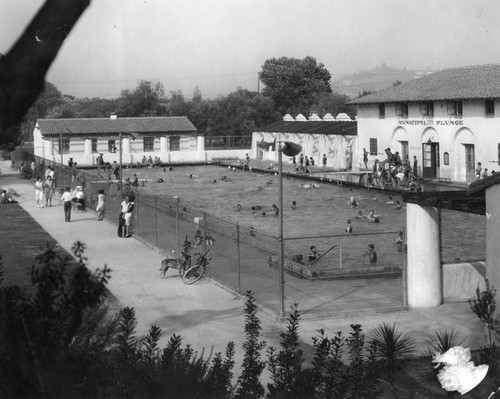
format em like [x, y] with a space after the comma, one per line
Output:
[132, 151]
[449, 131]
[337, 148]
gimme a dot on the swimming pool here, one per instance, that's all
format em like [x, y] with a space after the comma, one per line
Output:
[321, 207]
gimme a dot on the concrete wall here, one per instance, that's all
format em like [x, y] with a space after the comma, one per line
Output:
[493, 236]
[451, 132]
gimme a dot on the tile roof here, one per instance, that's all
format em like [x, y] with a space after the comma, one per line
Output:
[99, 126]
[311, 127]
[466, 83]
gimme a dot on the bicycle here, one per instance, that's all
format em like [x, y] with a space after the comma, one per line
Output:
[181, 264]
[197, 271]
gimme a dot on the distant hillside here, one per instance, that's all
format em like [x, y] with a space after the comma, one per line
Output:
[375, 79]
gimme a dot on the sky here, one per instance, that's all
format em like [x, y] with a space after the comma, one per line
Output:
[220, 45]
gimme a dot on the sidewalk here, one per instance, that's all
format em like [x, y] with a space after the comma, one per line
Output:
[206, 315]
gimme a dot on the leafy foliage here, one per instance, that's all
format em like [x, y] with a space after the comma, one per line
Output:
[392, 346]
[249, 385]
[441, 341]
[285, 365]
[292, 82]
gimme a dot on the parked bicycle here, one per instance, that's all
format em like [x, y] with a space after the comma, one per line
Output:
[197, 271]
[189, 273]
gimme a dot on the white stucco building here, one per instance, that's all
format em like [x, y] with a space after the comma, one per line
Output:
[334, 137]
[172, 139]
[449, 120]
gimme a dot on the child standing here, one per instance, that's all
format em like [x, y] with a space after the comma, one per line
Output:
[100, 205]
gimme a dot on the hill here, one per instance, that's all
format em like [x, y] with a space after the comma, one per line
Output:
[375, 79]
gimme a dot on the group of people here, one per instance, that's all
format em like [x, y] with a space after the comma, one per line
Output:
[393, 170]
[304, 163]
[482, 173]
[44, 189]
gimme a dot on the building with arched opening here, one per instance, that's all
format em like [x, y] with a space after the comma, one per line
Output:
[449, 120]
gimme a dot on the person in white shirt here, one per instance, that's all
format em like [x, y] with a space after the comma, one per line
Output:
[39, 192]
[127, 206]
[66, 198]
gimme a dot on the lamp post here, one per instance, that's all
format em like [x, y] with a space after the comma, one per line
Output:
[289, 149]
[120, 182]
[130, 134]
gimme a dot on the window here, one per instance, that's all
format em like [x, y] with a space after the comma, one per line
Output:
[381, 111]
[490, 107]
[402, 110]
[112, 146]
[446, 158]
[148, 144]
[373, 147]
[64, 145]
[174, 143]
[427, 108]
[94, 145]
[454, 108]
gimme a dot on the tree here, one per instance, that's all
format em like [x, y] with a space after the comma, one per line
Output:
[146, 100]
[292, 82]
[249, 385]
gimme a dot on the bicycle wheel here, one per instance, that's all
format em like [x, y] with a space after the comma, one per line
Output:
[193, 274]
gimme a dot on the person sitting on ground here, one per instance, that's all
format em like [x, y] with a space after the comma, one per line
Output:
[294, 205]
[275, 210]
[4, 198]
[397, 205]
[198, 238]
[238, 208]
[371, 253]
[352, 202]
[313, 254]
[372, 217]
[348, 226]
[485, 173]
[360, 215]
[390, 201]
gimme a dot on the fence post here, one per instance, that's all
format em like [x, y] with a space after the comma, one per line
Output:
[404, 276]
[205, 231]
[238, 256]
[156, 222]
[177, 227]
[340, 255]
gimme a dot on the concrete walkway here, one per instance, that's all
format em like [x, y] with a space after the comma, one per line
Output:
[207, 315]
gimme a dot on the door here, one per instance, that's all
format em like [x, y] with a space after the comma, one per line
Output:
[430, 160]
[470, 161]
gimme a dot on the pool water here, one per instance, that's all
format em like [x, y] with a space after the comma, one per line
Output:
[321, 207]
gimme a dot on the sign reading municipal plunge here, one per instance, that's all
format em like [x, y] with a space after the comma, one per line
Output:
[431, 122]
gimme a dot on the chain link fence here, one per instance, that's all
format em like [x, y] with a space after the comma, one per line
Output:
[463, 236]
[244, 258]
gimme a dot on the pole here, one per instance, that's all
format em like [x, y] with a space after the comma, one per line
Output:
[62, 166]
[404, 274]
[238, 255]
[120, 182]
[281, 243]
